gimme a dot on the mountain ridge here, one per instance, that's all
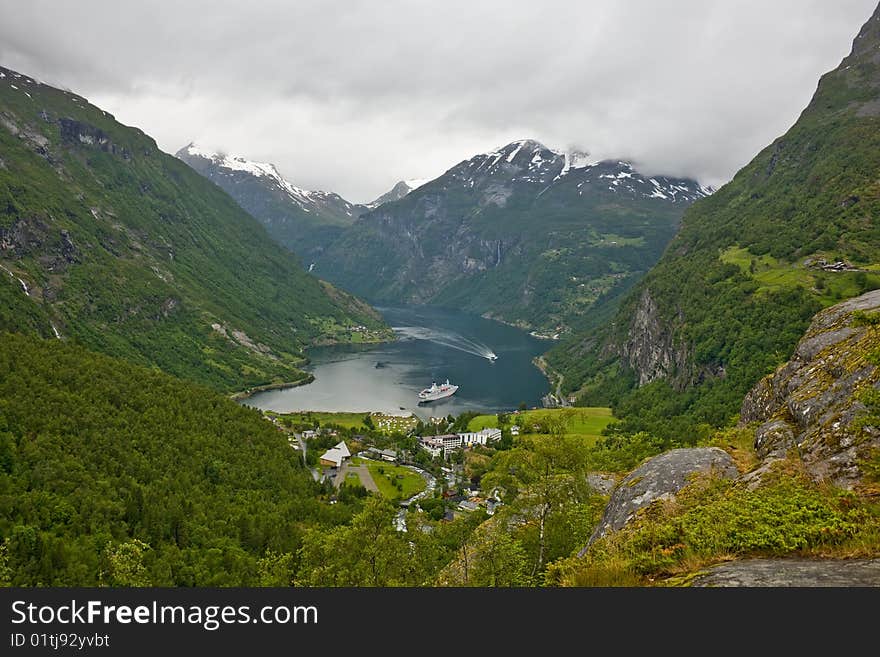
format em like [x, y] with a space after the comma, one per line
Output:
[400, 189]
[330, 204]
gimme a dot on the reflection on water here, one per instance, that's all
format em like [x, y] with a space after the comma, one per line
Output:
[432, 345]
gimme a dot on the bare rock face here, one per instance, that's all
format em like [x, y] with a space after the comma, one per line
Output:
[649, 349]
[792, 572]
[83, 134]
[810, 405]
[774, 439]
[655, 350]
[601, 483]
[660, 478]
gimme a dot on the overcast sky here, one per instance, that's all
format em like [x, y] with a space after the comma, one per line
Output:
[352, 96]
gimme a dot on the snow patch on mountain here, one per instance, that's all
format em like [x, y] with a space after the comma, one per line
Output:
[515, 151]
[303, 197]
[415, 183]
[530, 161]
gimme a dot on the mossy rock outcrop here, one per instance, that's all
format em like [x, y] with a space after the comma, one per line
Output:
[812, 407]
[659, 478]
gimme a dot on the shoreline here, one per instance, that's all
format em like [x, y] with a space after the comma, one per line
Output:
[250, 392]
[553, 377]
[527, 328]
[310, 378]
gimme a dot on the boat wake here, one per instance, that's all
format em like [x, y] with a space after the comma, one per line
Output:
[449, 339]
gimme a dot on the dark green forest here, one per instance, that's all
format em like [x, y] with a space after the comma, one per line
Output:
[114, 474]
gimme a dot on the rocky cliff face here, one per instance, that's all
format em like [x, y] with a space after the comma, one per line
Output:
[811, 406]
[649, 349]
[813, 409]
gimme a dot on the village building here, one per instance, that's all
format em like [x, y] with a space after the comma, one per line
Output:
[450, 441]
[431, 444]
[382, 454]
[445, 442]
[335, 456]
[482, 437]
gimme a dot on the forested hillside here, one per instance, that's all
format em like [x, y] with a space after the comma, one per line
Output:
[111, 473]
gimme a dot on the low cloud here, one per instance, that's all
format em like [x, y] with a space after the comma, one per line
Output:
[354, 96]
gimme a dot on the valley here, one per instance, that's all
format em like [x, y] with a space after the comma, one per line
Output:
[535, 367]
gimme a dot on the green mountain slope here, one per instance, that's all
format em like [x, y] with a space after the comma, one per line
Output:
[524, 234]
[114, 474]
[794, 231]
[107, 240]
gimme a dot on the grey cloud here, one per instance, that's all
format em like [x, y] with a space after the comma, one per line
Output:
[352, 96]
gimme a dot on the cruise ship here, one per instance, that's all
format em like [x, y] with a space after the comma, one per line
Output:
[436, 392]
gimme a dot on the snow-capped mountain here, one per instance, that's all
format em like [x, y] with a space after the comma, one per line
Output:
[524, 233]
[235, 166]
[300, 219]
[530, 162]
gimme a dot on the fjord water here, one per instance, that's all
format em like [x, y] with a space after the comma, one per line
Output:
[432, 345]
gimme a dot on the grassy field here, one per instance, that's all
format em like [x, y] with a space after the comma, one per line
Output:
[586, 422]
[345, 420]
[610, 239]
[773, 274]
[382, 422]
[385, 473]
